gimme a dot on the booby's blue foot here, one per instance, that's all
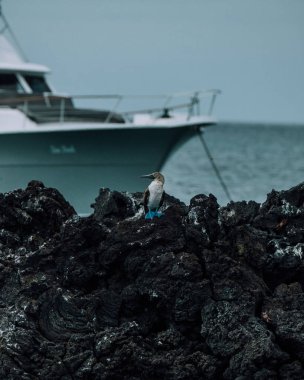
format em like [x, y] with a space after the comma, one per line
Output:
[150, 215]
[154, 214]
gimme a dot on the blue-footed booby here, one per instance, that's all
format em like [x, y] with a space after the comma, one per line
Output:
[154, 195]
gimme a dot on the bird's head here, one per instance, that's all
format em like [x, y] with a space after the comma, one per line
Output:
[156, 175]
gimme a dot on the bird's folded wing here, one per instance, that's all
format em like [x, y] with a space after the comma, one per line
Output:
[146, 199]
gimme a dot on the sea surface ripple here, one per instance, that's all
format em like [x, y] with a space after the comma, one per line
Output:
[252, 159]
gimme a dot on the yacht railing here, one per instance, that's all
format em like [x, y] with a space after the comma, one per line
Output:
[61, 108]
[193, 102]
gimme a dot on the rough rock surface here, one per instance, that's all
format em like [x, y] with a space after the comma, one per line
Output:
[203, 293]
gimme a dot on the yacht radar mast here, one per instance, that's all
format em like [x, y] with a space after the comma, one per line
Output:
[6, 27]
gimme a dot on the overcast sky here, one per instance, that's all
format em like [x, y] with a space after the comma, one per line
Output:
[253, 50]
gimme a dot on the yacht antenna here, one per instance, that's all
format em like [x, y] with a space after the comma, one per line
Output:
[6, 26]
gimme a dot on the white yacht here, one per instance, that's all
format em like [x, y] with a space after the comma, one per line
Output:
[46, 136]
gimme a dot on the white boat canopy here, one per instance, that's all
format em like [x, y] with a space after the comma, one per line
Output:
[10, 60]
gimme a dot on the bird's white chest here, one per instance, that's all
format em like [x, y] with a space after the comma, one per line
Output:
[155, 194]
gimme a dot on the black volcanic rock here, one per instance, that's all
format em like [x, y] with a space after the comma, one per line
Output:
[202, 293]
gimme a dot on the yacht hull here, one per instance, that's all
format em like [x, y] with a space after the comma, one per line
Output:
[78, 163]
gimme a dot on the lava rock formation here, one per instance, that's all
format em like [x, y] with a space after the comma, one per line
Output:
[203, 293]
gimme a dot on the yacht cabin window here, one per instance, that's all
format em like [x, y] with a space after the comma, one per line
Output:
[37, 84]
[9, 83]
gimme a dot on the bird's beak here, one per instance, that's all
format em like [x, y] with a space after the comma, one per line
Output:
[147, 176]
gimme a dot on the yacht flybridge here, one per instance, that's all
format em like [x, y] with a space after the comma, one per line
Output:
[58, 140]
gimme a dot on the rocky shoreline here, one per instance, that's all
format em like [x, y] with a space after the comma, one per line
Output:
[206, 292]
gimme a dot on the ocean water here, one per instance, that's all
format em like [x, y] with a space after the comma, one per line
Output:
[252, 159]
